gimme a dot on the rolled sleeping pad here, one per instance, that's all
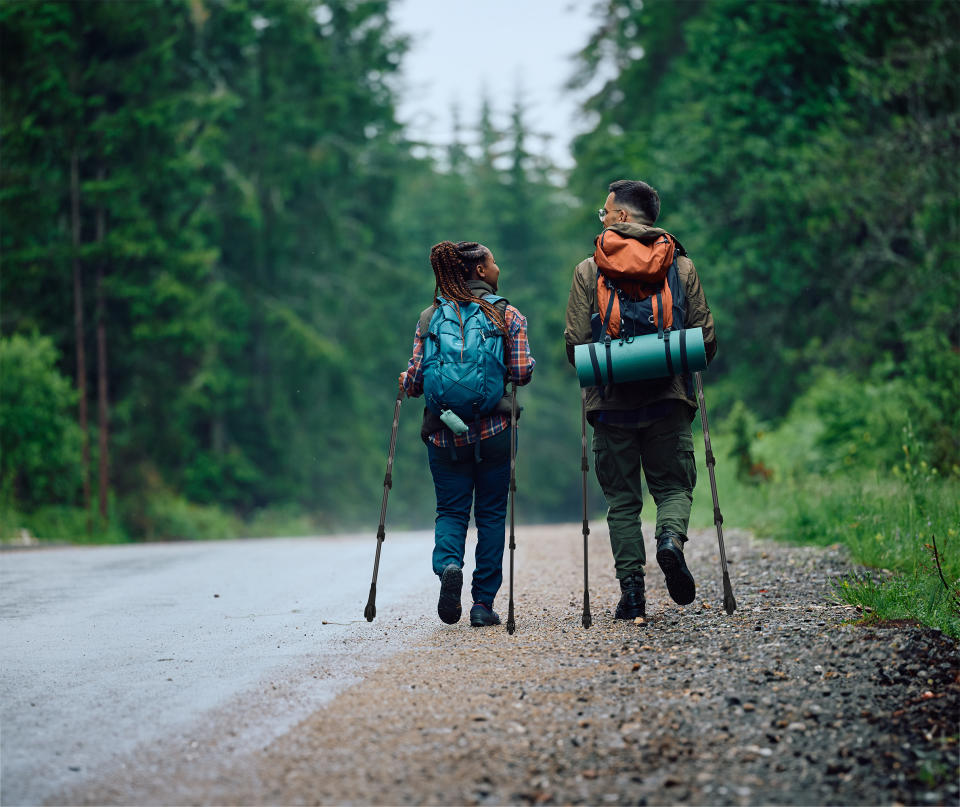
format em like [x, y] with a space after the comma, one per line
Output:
[640, 357]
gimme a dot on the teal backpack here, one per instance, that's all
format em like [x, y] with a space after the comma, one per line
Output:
[463, 359]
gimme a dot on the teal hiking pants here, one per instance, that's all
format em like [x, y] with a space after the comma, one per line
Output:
[663, 450]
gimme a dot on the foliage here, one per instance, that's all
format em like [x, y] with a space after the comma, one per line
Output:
[262, 229]
[39, 438]
[217, 143]
[778, 135]
[807, 157]
[505, 200]
[57, 523]
[170, 517]
[901, 597]
[890, 519]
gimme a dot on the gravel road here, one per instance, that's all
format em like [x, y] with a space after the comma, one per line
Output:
[785, 702]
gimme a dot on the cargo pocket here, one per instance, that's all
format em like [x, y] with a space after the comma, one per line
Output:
[602, 462]
[688, 465]
[687, 460]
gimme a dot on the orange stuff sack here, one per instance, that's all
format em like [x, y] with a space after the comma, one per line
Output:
[639, 270]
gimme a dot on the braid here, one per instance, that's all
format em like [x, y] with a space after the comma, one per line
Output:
[452, 271]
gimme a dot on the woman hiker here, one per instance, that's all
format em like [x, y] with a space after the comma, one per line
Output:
[471, 468]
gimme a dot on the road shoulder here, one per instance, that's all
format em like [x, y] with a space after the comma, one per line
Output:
[783, 702]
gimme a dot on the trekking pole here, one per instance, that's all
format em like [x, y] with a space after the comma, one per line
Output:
[511, 625]
[587, 621]
[371, 610]
[729, 603]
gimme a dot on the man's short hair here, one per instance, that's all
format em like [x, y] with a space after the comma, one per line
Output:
[637, 197]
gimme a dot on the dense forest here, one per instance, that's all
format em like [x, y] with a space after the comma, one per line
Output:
[215, 241]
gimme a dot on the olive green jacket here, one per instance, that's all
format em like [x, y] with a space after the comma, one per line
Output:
[582, 304]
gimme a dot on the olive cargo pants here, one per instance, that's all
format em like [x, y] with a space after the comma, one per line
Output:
[663, 450]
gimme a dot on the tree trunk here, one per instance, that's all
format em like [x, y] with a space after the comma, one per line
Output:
[102, 401]
[260, 180]
[78, 324]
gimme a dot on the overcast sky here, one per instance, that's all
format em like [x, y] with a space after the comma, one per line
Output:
[461, 48]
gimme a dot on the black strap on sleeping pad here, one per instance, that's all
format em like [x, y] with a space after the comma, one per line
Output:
[666, 348]
[592, 347]
[683, 352]
[609, 361]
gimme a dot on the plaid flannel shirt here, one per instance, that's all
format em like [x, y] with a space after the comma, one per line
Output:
[520, 370]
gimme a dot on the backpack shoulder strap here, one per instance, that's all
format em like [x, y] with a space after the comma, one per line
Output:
[500, 303]
[425, 317]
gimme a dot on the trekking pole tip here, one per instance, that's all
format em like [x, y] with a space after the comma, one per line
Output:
[729, 603]
[371, 610]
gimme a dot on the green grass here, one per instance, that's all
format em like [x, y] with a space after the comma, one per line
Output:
[890, 522]
[162, 516]
[57, 524]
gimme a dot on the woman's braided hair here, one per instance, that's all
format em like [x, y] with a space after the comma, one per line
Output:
[452, 267]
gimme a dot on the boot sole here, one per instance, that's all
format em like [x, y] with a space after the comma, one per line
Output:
[448, 605]
[680, 583]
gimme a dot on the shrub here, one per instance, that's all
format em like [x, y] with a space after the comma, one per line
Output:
[40, 442]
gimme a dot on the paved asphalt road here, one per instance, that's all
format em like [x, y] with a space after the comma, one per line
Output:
[107, 649]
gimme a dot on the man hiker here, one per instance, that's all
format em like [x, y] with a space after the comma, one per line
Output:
[640, 280]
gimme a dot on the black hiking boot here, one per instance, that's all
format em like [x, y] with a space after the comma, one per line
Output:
[680, 583]
[632, 603]
[448, 606]
[482, 615]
